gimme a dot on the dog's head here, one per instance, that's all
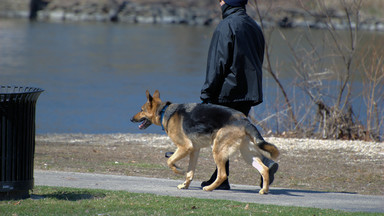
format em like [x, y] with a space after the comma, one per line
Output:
[148, 114]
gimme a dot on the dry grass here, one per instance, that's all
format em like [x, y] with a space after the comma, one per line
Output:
[355, 167]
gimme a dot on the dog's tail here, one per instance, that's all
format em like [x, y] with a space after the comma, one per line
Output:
[269, 147]
[256, 138]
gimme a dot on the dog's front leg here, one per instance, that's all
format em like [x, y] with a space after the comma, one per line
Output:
[191, 169]
[179, 154]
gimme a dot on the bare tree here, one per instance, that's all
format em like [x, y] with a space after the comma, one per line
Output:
[373, 90]
[335, 118]
[326, 69]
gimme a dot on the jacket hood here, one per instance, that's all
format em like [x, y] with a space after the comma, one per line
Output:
[227, 10]
[236, 3]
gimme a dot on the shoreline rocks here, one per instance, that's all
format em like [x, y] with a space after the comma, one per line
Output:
[126, 12]
[169, 12]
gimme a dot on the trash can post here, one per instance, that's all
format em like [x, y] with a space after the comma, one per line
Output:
[17, 137]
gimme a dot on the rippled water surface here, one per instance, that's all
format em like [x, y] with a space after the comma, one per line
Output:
[95, 74]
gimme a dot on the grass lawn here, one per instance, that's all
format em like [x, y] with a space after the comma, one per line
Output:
[69, 201]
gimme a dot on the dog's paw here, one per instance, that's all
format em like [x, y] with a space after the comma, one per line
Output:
[262, 191]
[182, 186]
[207, 188]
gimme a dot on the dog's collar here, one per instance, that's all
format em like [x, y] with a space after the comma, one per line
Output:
[162, 112]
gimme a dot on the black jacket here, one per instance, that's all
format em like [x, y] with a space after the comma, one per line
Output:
[235, 59]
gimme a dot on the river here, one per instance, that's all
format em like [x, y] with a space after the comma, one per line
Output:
[95, 74]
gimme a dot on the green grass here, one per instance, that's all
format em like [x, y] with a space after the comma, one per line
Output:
[69, 201]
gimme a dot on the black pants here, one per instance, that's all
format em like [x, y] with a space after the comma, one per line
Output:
[243, 107]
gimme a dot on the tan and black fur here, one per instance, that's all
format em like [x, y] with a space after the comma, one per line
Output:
[194, 126]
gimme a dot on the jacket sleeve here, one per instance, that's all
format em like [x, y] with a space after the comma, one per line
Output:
[217, 64]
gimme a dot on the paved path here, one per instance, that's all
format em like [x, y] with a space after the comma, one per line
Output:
[242, 193]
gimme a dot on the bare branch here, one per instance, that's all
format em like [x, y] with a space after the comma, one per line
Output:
[272, 73]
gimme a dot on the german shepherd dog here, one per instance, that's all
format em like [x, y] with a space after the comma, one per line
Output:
[194, 126]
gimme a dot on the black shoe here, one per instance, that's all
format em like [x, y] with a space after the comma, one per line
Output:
[168, 154]
[272, 170]
[223, 186]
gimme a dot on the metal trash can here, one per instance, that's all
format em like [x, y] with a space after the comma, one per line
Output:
[17, 137]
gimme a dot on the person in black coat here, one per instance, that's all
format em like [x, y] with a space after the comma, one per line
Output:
[234, 68]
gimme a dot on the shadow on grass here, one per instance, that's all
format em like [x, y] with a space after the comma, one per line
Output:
[74, 196]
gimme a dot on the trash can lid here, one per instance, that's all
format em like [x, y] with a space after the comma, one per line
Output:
[7, 90]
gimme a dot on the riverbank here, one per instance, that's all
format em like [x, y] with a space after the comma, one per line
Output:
[285, 14]
[307, 164]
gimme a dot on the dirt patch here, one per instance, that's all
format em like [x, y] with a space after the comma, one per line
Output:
[324, 165]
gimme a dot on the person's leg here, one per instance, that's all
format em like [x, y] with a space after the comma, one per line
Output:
[272, 166]
[243, 107]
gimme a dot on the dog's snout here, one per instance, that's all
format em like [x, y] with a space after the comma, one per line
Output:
[133, 120]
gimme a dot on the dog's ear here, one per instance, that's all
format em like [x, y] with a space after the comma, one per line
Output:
[149, 96]
[156, 94]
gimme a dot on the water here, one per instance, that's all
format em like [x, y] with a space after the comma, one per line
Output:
[95, 74]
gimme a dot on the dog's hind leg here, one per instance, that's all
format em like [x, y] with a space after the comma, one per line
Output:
[258, 164]
[191, 169]
[252, 156]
